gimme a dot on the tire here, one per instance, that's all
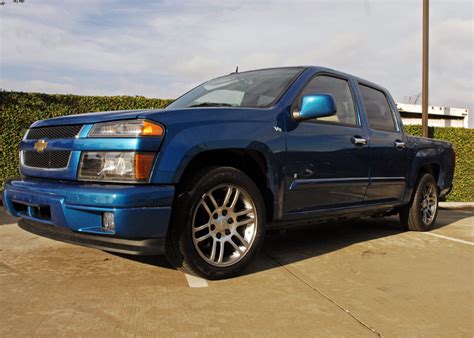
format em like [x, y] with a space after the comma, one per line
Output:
[420, 214]
[217, 224]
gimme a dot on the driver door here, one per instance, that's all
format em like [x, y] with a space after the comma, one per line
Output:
[327, 159]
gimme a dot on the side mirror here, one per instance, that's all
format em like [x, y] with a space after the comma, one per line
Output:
[314, 106]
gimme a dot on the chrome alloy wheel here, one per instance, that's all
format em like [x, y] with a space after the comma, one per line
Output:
[429, 203]
[224, 225]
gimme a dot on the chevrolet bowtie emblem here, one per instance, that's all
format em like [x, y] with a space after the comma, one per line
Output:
[41, 145]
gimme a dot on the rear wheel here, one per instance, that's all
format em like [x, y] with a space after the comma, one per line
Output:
[217, 225]
[420, 214]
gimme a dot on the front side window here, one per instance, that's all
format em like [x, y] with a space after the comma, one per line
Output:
[377, 109]
[259, 88]
[339, 88]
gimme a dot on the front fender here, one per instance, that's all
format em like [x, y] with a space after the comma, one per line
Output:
[180, 148]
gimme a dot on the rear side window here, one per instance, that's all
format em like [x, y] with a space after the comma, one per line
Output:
[323, 84]
[378, 109]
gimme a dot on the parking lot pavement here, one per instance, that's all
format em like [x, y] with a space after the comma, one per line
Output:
[4, 217]
[362, 278]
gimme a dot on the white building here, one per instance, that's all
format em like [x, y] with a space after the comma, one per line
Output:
[437, 116]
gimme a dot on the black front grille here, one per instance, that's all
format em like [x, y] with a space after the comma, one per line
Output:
[49, 159]
[53, 132]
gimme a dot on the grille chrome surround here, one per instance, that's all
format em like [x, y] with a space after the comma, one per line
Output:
[54, 132]
[47, 160]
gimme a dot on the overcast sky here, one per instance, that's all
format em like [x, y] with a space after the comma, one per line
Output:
[162, 48]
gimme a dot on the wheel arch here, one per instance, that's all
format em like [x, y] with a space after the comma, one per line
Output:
[430, 168]
[250, 161]
[427, 167]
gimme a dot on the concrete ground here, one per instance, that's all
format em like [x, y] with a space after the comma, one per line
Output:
[364, 278]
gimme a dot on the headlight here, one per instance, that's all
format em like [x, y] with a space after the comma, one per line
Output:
[115, 166]
[130, 128]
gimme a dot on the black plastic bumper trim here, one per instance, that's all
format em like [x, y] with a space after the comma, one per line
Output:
[151, 246]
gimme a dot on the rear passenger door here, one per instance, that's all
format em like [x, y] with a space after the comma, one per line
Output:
[389, 158]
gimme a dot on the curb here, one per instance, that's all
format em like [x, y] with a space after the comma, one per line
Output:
[457, 205]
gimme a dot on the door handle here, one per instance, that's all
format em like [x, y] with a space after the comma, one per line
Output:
[399, 144]
[358, 141]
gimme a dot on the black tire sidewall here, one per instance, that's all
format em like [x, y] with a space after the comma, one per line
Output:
[210, 179]
[416, 219]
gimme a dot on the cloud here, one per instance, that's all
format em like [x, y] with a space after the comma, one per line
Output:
[162, 48]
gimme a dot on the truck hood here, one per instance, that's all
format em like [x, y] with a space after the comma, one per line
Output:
[95, 117]
[166, 116]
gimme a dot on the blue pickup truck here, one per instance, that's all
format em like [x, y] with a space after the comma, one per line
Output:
[202, 180]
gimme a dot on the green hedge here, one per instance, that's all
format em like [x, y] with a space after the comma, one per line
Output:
[19, 110]
[463, 140]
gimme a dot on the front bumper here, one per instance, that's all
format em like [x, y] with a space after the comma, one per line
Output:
[72, 212]
[151, 246]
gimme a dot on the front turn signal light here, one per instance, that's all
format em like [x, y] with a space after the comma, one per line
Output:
[143, 164]
[151, 129]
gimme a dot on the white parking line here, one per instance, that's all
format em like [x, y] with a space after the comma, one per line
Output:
[448, 238]
[196, 282]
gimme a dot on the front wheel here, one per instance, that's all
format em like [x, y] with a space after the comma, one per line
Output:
[218, 224]
[420, 214]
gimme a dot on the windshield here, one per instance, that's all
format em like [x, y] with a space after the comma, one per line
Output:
[259, 88]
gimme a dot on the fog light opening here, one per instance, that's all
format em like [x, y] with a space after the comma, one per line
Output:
[108, 221]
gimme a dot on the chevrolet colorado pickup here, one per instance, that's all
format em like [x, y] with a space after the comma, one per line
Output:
[202, 180]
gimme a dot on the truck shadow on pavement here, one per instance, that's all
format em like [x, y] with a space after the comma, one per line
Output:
[296, 244]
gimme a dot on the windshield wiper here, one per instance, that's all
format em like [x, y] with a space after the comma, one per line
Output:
[211, 104]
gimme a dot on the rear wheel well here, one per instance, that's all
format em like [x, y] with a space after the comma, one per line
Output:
[251, 162]
[432, 169]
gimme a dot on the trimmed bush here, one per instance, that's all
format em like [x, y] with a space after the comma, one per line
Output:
[18, 110]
